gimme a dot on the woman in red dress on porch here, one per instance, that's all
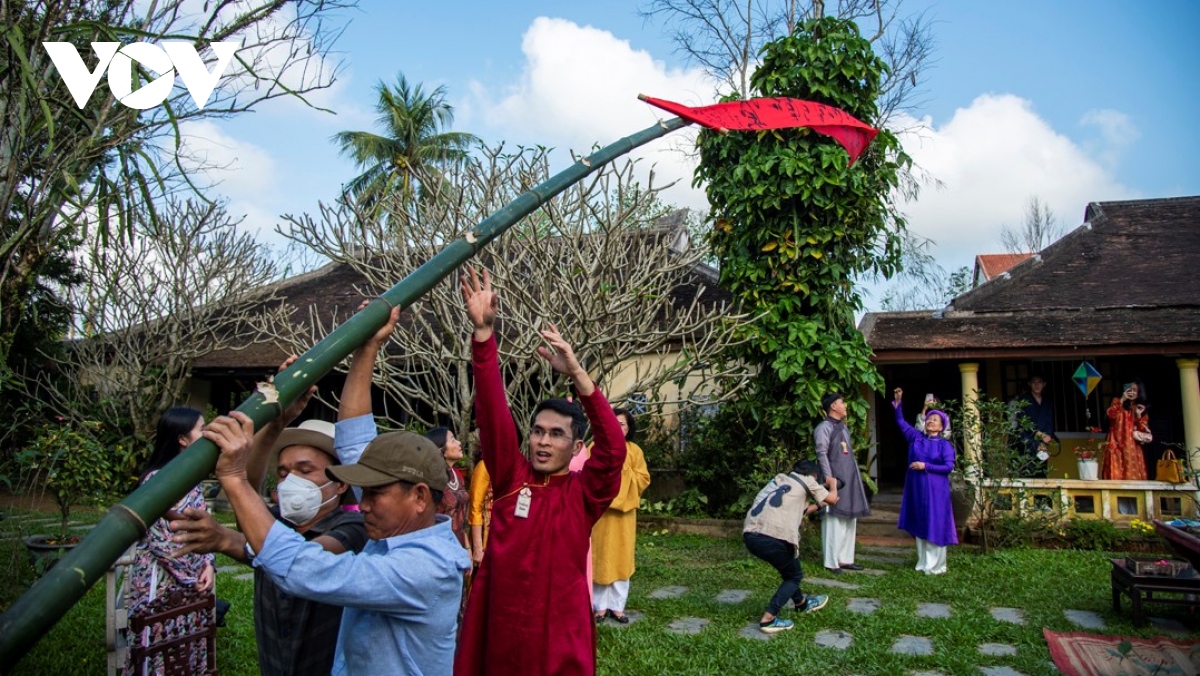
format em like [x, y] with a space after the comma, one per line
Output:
[1128, 429]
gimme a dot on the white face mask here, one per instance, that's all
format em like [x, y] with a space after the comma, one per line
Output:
[300, 499]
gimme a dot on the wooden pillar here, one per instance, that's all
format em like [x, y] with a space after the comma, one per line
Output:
[970, 394]
[1189, 387]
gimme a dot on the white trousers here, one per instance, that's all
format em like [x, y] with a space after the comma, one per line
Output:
[610, 596]
[837, 539]
[931, 558]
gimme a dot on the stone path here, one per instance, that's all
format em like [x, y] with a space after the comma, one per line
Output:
[688, 625]
[733, 596]
[998, 649]
[934, 610]
[668, 593]
[1085, 618]
[1010, 615]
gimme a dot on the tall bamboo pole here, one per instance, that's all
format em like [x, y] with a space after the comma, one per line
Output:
[32, 615]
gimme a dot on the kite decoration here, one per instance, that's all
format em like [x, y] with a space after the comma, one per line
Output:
[28, 619]
[1086, 378]
[778, 113]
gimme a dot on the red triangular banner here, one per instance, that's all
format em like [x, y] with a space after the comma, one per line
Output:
[778, 113]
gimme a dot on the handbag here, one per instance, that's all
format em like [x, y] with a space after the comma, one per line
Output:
[1169, 468]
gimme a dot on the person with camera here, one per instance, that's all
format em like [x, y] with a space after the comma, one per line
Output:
[1128, 429]
[771, 532]
[925, 511]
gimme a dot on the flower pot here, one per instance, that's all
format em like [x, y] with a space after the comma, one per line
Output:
[1089, 470]
[46, 550]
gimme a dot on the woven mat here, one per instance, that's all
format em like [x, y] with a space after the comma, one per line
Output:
[1079, 654]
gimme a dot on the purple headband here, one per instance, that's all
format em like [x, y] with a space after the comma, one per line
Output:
[943, 416]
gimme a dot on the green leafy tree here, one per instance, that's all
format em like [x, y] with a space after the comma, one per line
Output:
[794, 225]
[413, 147]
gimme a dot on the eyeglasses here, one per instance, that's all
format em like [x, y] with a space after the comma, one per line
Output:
[556, 434]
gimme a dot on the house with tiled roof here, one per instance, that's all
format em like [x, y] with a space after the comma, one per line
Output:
[991, 266]
[331, 294]
[1120, 293]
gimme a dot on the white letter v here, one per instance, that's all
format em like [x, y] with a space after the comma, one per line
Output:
[80, 81]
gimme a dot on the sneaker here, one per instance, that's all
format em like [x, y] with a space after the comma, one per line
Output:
[775, 626]
[814, 603]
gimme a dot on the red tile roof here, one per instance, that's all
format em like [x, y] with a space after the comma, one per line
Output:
[990, 266]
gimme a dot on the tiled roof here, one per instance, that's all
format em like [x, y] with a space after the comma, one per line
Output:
[990, 266]
[1124, 281]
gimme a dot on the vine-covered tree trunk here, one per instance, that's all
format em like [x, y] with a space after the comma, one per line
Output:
[794, 224]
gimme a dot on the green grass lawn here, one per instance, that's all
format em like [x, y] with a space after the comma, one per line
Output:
[1040, 582]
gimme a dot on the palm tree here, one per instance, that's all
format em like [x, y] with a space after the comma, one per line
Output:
[413, 148]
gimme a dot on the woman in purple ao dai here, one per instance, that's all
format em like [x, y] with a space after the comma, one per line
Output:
[925, 511]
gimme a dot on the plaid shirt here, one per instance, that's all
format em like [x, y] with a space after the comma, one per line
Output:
[297, 636]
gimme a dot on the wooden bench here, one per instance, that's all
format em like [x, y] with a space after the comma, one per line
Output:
[1182, 542]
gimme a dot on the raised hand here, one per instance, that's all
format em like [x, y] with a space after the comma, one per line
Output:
[481, 302]
[234, 435]
[897, 395]
[292, 412]
[381, 336]
[561, 357]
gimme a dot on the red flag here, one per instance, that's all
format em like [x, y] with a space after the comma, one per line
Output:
[778, 113]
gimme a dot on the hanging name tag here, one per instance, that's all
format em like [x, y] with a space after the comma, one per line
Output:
[524, 499]
[845, 449]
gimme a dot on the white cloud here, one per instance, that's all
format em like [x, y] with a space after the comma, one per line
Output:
[241, 169]
[1117, 132]
[992, 156]
[578, 89]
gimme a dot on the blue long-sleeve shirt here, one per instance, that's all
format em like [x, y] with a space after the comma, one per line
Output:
[401, 594]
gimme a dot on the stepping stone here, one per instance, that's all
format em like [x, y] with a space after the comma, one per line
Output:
[1085, 618]
[913, 645]
[687, 626]
[633, 615]
[228, 569]
[733, 596]
[863, 606]
[873, 571]
[1000, 671]
[927, 673]
[829, 638]
[879, 558]
[935, 610]
[668, 593]
[751, 631]
[1010, 615]
[998, 649]
[825, 582]
[244, 576]
[1169, 626]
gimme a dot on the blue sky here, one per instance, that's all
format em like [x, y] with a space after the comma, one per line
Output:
[1071, 100]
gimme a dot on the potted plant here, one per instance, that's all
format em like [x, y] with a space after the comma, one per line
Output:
[1087, 456]
[72, 464]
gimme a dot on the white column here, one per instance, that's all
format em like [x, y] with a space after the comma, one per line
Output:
[970, 395]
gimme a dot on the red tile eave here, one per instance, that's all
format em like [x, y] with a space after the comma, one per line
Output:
[898, 356]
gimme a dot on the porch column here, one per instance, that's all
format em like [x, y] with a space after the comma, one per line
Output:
[970, 394]
[1190, 389]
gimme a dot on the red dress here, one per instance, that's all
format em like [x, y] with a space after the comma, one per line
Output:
[529, 611]
[1123, 457]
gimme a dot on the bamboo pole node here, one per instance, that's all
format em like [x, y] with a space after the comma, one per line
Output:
[584, 162]
[470, 237]
[137, 519]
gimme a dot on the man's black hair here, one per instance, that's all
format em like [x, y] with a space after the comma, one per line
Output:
[827, 400]
[579, 421]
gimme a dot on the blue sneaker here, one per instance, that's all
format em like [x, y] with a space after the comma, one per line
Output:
[814, 603]
[775, 626]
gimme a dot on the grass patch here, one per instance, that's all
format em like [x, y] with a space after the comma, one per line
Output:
[1042, 583]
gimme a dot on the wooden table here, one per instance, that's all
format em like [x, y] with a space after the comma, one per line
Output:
[1182, 591]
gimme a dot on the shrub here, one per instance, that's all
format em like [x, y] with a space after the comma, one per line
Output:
[73, 464]
[1096, 534]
